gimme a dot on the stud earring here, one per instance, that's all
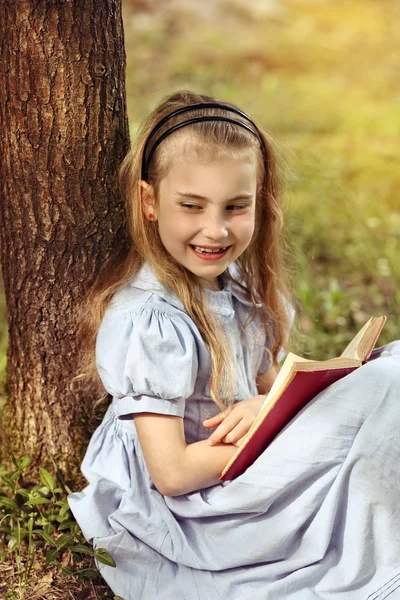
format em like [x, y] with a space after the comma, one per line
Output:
[151, 217]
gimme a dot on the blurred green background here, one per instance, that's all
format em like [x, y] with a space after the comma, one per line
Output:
[322, 78]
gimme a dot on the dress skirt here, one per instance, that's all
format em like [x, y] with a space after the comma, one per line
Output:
[316, 517]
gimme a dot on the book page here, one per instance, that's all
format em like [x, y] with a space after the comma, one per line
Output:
[362, 344]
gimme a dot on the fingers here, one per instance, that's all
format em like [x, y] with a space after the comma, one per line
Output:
[230, 430]
[233, 424]
[214, 421]
[217, 419]
[240, 441]
[237, 434]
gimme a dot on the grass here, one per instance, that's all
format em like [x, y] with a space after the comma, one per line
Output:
[322, 79]
[42, 548]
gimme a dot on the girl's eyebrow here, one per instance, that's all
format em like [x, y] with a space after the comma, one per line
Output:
[243, 196]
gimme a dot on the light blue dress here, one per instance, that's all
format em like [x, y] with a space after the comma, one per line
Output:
[316, 517]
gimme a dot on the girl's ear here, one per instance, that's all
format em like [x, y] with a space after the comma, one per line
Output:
[148, 199]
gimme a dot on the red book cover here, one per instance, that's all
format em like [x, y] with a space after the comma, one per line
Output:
[304, 386]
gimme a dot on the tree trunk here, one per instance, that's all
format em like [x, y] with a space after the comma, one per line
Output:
[64, 131]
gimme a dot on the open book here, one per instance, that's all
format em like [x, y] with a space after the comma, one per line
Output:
[298, 381]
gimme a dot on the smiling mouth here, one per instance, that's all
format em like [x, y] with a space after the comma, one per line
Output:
[205, 250]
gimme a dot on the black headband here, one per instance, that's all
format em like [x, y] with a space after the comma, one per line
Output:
[256, 133]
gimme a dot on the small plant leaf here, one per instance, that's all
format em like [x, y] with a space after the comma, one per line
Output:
[33, 501]
[64, 507]
[62, 519]
[81, 549]
[46, 536]
[12, 543]
[64, 541]
[117, 598]
[47, 478]
[52, 555]
[22, 492]
[65, 525]
[9, 480]
[8, 503]
[106, 559]
[89, 574]
[23, 462]
[75, 529]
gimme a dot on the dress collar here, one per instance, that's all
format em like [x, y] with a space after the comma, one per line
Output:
[219, 301]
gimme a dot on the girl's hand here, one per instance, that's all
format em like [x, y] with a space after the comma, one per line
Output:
[233, 424]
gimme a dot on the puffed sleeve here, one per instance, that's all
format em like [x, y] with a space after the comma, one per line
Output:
[148, 360]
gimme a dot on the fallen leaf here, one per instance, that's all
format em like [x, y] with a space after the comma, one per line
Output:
[41, 587]
[65, 559]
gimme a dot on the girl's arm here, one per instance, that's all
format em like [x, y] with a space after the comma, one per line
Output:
[265, 380]
[179, 468]
[176, 467]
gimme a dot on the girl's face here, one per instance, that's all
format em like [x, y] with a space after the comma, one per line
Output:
[205, 206]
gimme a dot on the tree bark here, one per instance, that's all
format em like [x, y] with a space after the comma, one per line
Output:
[64, 132]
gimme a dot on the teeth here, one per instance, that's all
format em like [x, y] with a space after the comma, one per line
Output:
[208, 250]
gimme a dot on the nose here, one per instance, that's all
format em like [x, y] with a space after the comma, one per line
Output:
[215, 227]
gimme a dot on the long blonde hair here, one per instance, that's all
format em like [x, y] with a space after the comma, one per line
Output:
[261, 264]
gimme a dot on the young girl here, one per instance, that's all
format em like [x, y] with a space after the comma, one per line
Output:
[189, 320]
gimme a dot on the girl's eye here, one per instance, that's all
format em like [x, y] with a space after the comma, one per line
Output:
[238, 206]
[191, 206]
[235, 207]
